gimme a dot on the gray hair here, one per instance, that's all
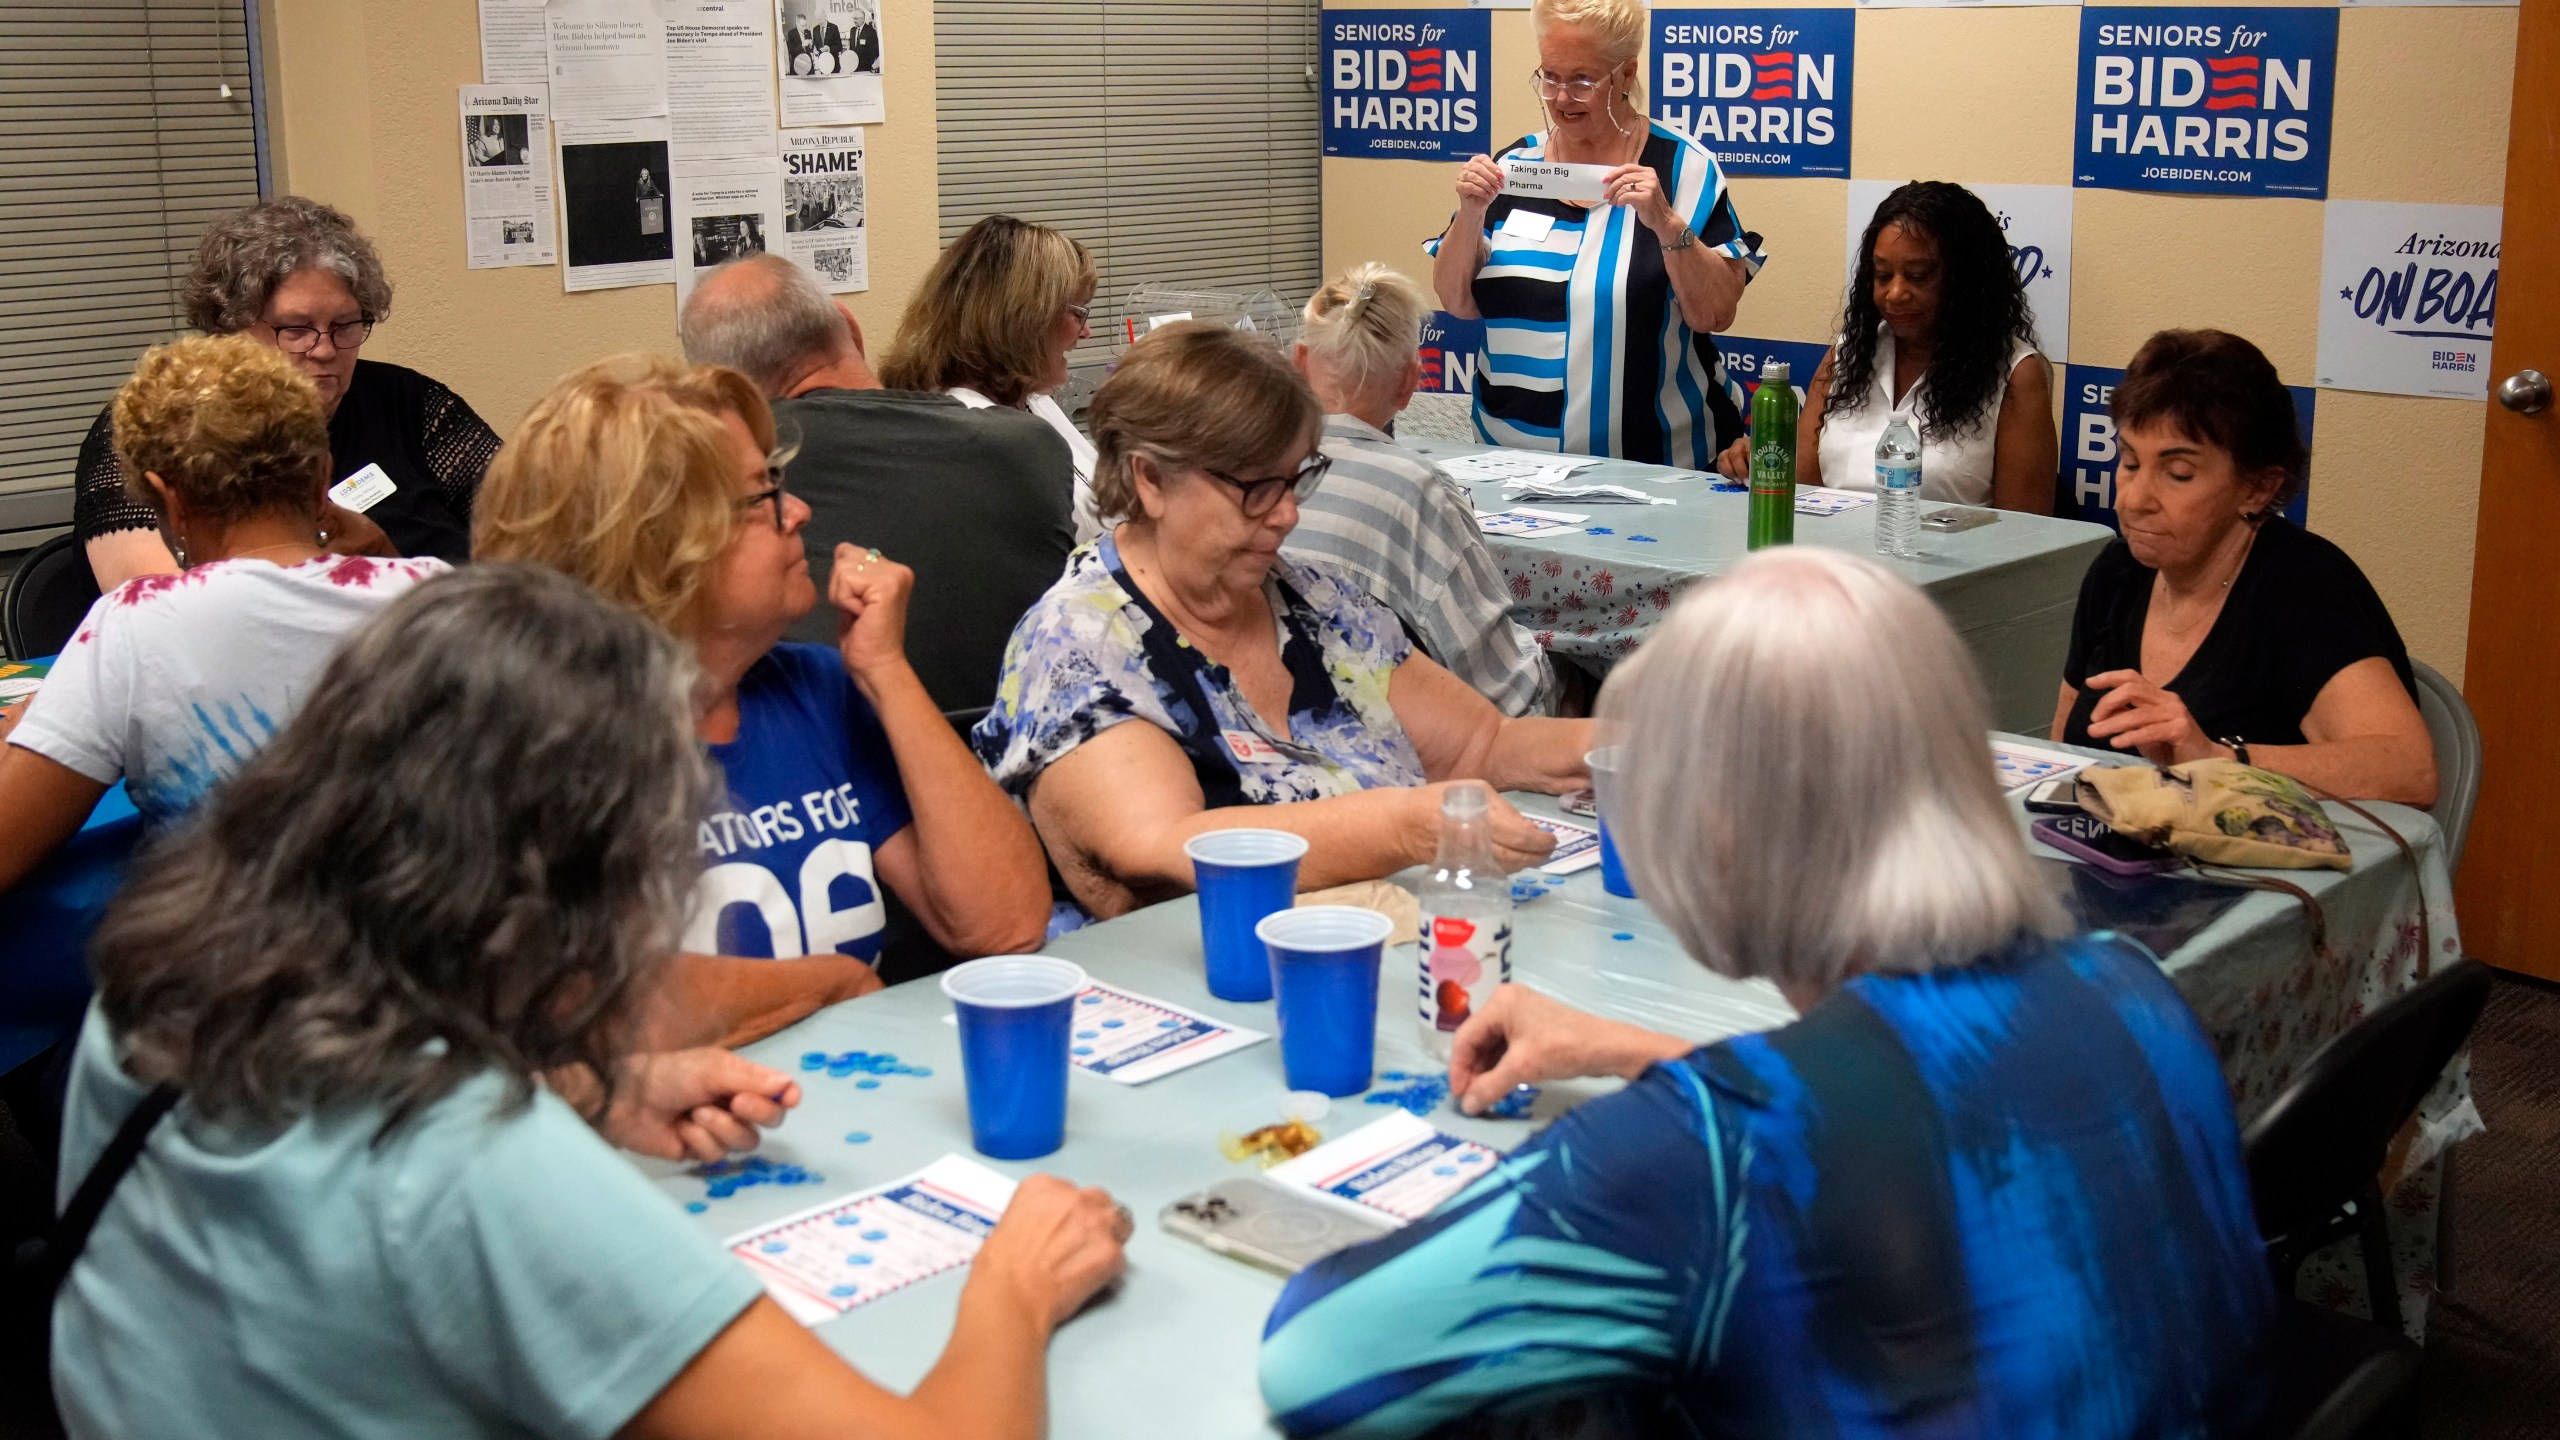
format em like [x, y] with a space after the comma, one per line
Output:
[764, 317]
[470, 851]
[1805, 790]
[246, 254]
[1362, 328]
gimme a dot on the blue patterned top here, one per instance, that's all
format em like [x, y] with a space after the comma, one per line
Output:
[1095, 653]
[2005, 1199]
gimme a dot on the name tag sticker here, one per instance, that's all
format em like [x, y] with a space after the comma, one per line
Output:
[363, 490]
[1527, 226]
[1249, 748]
[1554, 180]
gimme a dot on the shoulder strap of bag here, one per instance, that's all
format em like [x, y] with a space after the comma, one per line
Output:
[71, 1233]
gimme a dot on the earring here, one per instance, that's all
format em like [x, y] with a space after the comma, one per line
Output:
[178, 551]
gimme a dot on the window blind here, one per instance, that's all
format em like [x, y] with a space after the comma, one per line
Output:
[117, 148]
[1178, 139]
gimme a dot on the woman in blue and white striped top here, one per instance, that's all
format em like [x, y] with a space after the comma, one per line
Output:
[1598, 318]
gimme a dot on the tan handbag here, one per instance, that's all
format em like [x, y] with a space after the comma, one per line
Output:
[2218, 811]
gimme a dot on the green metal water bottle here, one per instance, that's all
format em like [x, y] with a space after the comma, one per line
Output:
[1773, 457]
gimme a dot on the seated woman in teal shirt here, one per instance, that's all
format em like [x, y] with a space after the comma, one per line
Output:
[392, 970]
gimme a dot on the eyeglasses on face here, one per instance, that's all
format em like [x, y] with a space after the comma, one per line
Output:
[772, 494]
[1261, 496]
[303, 339]
[1560, 87]
[1083, 313]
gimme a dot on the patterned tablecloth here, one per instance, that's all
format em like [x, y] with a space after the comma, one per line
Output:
[2010, 587]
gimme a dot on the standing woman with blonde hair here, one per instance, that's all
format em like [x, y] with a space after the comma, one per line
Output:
[1390, 518]
[993, 324]
[1598, 319]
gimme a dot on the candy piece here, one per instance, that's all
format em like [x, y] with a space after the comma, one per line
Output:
[1272, 1143]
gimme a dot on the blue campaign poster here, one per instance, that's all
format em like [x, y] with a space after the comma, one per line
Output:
[1765, 91]
[1746, 358]
[2206, 101]
[2086, 488]
[1407, 84]
[1450, 349]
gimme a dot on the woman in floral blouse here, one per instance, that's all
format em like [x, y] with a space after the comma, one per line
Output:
[1273, 693]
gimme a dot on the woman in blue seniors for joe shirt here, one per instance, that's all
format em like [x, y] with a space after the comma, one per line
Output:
[1598, 318]
[1988, 1183]
[661, 486]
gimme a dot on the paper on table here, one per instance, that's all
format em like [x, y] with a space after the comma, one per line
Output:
[1554, 180]
[506, 177]
[608, 59]
[1399, 1166]
[1508, 464]
[2025, 765]
[726, 209]
[614, 178]
[1132, 1038]
[1821, 500]
[1577, 846]
[1534, 488]
[719, 78]
[515, 43]
[823, 207]
[1522, 520]
[856, 1248]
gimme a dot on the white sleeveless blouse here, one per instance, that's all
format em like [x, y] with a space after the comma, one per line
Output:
[1954, 467]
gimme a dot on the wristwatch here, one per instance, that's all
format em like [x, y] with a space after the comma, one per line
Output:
[1686, 238]
[2239, 747]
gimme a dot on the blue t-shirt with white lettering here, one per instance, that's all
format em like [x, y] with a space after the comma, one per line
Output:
[789, 855]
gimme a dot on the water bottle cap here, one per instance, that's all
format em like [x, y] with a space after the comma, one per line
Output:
[1463, 802]
[1777, 370]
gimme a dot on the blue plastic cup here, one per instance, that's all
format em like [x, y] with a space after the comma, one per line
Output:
[1242, 876]
[1325, 960]
[1014, 1013]
[1605, 776]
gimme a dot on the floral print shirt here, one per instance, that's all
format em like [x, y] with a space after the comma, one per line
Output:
[1095, 653]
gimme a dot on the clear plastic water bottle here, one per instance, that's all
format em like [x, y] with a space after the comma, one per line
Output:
[1898, 488]
[1466, 919]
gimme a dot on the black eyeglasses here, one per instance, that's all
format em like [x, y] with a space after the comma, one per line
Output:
[1261, 497]
[772, 493]
[303, 339]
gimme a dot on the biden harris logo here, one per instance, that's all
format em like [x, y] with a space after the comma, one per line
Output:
[1407, 84]
[1764, 91]
[2206, 102]
[1450, 349]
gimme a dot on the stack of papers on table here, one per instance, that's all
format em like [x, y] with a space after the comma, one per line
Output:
[856, 1248]
[1511, 465]
[1521, 520]
[1535, 488]
[1822, 500]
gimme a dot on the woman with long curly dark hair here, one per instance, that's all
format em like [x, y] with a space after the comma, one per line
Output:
[1936, 326]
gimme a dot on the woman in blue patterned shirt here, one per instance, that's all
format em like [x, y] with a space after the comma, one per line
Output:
[1989, 1183]
[1273, 692]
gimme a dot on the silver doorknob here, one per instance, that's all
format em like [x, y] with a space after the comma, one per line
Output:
[2526, 392]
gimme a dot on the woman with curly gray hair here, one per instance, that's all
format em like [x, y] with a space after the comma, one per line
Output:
[295, 274]
[392, 985]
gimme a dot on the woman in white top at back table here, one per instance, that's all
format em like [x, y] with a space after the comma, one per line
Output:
[172, 681]
[993, 324]
[1937, 328]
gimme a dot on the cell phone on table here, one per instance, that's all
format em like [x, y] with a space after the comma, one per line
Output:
[2088, 838]
[1947, 519]
[1263, 1222]
[2059, 796]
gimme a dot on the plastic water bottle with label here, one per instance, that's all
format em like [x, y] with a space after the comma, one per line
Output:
[1466, 919]
[1898, 488]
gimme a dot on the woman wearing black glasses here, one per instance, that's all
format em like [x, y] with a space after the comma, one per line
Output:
[295, 274]
[1273, 692]
[660, 487]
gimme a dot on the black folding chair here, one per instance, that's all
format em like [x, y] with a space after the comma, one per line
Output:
[48, 594]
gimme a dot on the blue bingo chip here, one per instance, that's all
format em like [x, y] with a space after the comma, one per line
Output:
[1092, 1000]
[875, 1236]
[1113, 1024]
[1088, 1034]
[866, 1084]
[845, 1292]
[848, 1220]
[774, 1247]
[858, 1137]
[814, 1060]
[857, 1259]
[695, 1207]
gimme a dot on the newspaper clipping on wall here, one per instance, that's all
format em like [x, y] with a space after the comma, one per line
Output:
[830, 57]
[608, 59]
[614, 182]
[725, 210]
[823, 207]
[719, 77]
[506, 176]
[515, 43]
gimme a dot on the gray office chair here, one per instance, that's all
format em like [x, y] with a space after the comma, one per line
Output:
[2457, 740]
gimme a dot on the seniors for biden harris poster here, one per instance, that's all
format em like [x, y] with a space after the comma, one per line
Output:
[1765, 91]
[1407, 84]
[2206, 101]
[2086, 488]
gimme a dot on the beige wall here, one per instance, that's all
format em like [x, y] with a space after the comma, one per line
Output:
[2394, 479]
[364, 116]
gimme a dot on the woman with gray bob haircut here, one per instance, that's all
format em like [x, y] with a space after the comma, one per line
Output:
[297, 275]
[1989, 1182]
[392, 975]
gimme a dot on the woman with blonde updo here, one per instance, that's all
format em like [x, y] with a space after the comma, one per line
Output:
[1599, 318]
[173, 680]
[1390, 518]
[1267, 691]
[993, 324]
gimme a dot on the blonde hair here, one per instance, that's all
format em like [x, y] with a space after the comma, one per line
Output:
[1812, 714]
[983, 315]
[231, 426]
[623, 477]
[1195, 393]
[1616, 26]
[1363, 326]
